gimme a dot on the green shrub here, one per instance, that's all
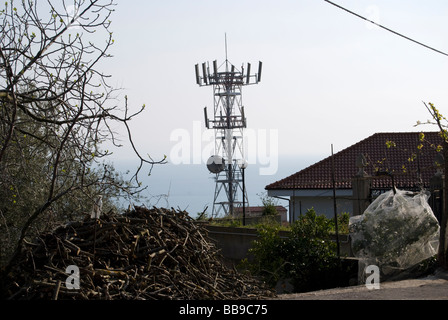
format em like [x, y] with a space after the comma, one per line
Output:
[307, 257]
[269, 205]
[343, 221]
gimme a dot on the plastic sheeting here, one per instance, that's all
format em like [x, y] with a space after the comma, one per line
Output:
[396, 232]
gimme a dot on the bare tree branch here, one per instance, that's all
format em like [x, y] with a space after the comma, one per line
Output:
[56, 110]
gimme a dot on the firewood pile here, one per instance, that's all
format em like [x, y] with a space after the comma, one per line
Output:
[141, 254]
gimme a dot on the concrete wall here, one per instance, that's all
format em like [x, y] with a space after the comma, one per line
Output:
[236, 242]
[253, 220]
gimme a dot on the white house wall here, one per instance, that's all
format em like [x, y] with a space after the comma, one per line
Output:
[321, 206]
[321, 200]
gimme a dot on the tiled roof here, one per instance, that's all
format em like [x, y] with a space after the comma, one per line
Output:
[379, 157]
[259, 209]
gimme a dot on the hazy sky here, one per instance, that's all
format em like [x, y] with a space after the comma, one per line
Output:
[328, 76]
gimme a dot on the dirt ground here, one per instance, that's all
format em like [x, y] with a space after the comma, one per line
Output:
[433, 287]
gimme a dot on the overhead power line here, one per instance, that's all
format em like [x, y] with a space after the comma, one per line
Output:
[385, 28]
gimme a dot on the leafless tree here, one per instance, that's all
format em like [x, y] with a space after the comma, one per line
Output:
[56, 107]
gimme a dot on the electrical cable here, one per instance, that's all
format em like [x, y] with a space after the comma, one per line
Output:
[387, 29]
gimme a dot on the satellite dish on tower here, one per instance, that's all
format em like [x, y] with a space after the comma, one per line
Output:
[215, 164]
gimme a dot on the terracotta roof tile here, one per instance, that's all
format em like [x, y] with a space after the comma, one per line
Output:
[259, 209]
[379, 156]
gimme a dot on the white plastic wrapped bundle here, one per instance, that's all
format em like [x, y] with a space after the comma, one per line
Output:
[397, 231]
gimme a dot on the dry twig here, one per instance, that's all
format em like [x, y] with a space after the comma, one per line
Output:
[142, 254]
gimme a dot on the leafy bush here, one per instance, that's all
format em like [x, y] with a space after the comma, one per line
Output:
[269, 205]
[343, 222]
[307, 257]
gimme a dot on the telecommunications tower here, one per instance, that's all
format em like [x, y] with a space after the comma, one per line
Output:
[229, 162]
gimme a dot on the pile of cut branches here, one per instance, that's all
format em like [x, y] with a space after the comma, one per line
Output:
[141, 254]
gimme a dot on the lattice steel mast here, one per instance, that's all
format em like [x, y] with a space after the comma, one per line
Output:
[228, 122]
